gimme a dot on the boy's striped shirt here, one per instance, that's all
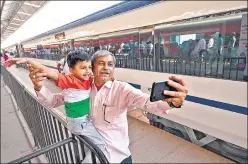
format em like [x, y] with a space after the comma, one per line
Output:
[77, 93]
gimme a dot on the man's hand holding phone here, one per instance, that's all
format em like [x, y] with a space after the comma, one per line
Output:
[173, 91]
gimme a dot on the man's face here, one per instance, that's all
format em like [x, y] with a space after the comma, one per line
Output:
[104, 68]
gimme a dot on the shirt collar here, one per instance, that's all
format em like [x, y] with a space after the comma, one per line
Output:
[108, 84]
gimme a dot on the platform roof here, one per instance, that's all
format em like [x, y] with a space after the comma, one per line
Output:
[15, 13]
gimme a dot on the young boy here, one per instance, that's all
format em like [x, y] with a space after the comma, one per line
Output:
[76, 90]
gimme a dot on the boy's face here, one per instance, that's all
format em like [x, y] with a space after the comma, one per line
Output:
[82, 70]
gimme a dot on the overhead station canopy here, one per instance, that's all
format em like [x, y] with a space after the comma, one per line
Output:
[15, 13]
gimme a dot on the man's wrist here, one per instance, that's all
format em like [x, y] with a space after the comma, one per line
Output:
[174, 106]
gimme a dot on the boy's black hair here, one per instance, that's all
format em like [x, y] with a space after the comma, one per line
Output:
[74, 56]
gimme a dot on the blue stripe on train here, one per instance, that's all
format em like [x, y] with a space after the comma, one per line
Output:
[211, 103]
[218, 104]
[135, 85]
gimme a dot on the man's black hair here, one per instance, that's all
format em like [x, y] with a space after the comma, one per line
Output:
[75, 56]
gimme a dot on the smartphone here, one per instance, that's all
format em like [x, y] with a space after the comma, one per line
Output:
[157, 91]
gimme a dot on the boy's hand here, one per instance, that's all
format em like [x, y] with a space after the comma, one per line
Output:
[13, 61]
[37, 76]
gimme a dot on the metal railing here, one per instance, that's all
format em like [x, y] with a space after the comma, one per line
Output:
[55, 57]
[49, 130]
[216, 67]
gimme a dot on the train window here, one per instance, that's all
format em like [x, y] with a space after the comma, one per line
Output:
[176, 38]
[187, 39]
[189, 46]
[125, 45]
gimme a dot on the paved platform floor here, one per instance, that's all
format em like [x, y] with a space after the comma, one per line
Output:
[152, 145]
[14, 140]
[149, 144]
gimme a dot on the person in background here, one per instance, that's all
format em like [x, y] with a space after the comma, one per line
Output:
[96, 48]
[2, 59]
[120, 47]
[149, 48]
[112, 49]
[231, 43]
[220, 45]
[32, 54]
[191, 47]
[200, 47]
[91, 50]
[5, 57]
[213, 47]
[126, 48]
[63, 67]
[242, 52]
[203, 47]
[245, 73]
[109, 46]
[210, 42]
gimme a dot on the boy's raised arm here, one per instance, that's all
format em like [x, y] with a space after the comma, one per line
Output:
[50, 73]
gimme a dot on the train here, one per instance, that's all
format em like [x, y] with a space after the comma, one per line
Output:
[157, 39]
